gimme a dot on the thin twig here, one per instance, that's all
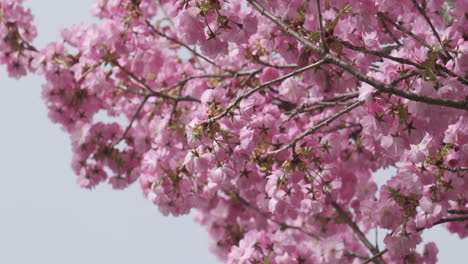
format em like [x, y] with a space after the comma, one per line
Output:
[402, 29]
[279, 67]
[151, 91]
[263, 85]
[354, 254]
[447, 56]
[387, 30]
[282, 225]
[154, 30]
[454, 169]
[320, 22]
[129, 126]
[423, 13]
[207, 76]
[286, 28]
[341, 126]
[125, 89]
[163, 10]
[450, 73]
[358, 232]
[334, 101]
[376, 256]
[174, 107]
[380, 54]
[249, 77]
[312, 130]
[404, 77]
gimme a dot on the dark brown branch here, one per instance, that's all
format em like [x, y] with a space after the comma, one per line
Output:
[320, 23]
[125, 89]
[450, 73]
[149, 90]
[263, 85]
[174, 106]
[312, 130]
[457, 211]
[342, 126]
[380, 54]
[247, 80]
[404, 30]
[286, 28]
[283, 226]
[386, 88]
[404, 77]
[129, 126]
[382, 87]
[207, 76]
[445, 220]
[333, 101]
[384, 54]
[445, 57]
[358, 232]
[355, 255]
[454, 169]
[423, 13]
[389, 32]
[279, 67]
[376, 256]
[194, 52]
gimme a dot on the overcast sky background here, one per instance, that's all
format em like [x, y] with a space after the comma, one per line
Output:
[46, 218]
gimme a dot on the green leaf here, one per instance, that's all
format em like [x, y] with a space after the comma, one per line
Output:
[403, 113]
[332, 24]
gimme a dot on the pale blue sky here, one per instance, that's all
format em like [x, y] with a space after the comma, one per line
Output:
[46, 218]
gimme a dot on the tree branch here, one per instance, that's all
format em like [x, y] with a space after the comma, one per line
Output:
[454, 169]
[282, 225]
[386, 88]
[217, 76]
[404, 77]
[129, 126]
[320, 23]
[404, 30]
[445, 220]
[382, 87]
[263, 85]
[358, 232]
[423, 13]
[380, 54]
[387, 30]
[194, 52]
[333, 101]
[457, 211]
[441, 221]
[310, 131]
[376, 256]
[150, 91]
[279, 67]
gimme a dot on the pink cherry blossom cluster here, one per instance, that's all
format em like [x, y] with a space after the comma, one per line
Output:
[16, 32]
[268, 118]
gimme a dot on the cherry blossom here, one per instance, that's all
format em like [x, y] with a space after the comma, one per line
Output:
[268, 118]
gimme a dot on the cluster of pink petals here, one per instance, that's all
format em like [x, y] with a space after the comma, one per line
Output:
[16, 31]
[171, 103]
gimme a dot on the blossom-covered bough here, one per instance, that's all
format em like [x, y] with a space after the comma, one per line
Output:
[268, 117]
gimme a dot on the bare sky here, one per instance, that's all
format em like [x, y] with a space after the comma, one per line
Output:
[46, 218]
